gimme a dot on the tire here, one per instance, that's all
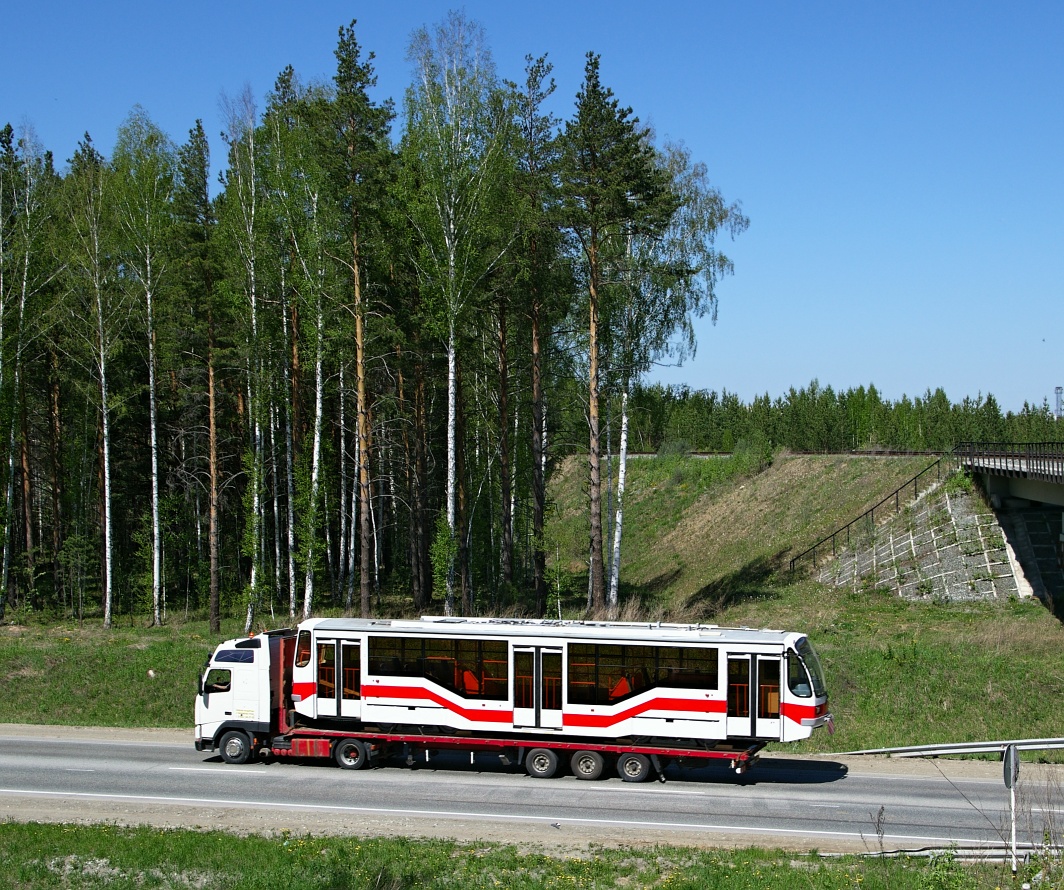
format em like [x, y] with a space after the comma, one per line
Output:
[350, 754]
[633, 767]
[235, 747]
[587, 765]
[541, 763]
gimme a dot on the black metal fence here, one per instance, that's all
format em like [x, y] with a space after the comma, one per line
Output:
[841, 536]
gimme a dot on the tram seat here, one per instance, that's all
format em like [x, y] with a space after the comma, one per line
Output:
[620, 689]
[469, 683]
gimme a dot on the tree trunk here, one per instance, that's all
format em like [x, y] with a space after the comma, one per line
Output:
[289, 468]
[596, 582]
[364, 432]
[409, 477]
[27, 504]
[506, 556]
[615, 568]
[451, 493]
[465, 585]
[342, 514]
[105, 451]
[213, 536]
[315, 461]
[156, 525]
[9, 502]
[539, 485]
[423, 529]
[55, 468]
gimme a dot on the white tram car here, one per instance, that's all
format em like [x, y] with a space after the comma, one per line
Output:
[593, 680]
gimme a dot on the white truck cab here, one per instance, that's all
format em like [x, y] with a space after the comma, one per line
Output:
[239, 696]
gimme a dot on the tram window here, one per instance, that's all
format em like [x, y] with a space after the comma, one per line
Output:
[797, 677]
[471, 668]
[686, 667]
[303, 649]
[605, 674]
[326, 670]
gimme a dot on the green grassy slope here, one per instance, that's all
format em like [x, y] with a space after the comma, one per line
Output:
[699, 532]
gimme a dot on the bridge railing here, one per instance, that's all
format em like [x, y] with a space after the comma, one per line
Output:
[1031, 460]
[841, 536]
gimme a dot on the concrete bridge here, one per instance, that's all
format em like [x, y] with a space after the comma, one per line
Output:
[1031, 471]
[1025, 484]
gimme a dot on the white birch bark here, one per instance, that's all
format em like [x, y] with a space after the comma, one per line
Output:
[289, 470]
[315, 463]
[105, 420]
[144, 160]
[615, 568]
[342, 500]
[451, 462]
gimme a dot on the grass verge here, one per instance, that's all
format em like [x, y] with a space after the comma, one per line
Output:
[46, 856]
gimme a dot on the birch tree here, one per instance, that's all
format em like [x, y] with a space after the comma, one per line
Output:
[308, 217]
[242, 227]
[97, 302]
[455, 156]
[667, 278]
[144, 163]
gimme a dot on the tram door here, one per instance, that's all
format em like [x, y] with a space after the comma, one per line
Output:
[339, 673]
[349, 685]
[538, 687]
[754, 696]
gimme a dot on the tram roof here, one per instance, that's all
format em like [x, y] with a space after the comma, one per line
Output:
[651, 632]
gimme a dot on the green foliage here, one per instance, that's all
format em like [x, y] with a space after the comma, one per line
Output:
[443, 553]
[818, 419]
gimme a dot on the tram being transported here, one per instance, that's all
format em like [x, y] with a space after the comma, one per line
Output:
[602, 688]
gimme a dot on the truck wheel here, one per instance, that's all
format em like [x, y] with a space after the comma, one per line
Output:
[235, 747]
[351, 754]
[633, 767]
[541, 763]
[587, 764]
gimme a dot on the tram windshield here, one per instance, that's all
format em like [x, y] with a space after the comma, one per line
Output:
[808, 657]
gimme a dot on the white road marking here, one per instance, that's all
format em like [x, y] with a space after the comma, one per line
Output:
[449, 814]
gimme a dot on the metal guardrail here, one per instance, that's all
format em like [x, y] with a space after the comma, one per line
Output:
[1028, 460]
[870, 514]
[963, 748]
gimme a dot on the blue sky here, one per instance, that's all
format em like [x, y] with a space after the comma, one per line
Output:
[901, 163]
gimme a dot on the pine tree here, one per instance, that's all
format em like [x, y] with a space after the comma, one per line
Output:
[611, 187]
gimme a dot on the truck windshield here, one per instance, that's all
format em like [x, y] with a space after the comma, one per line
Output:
[809, 658]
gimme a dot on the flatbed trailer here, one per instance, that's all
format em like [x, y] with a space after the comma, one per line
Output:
[356, 750]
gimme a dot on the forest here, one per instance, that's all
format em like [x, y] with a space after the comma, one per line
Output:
[342, 375]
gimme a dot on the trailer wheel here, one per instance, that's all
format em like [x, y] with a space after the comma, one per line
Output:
[541, 763]
[587, 764]
[351, 754]
[235, 747]
[633, 767]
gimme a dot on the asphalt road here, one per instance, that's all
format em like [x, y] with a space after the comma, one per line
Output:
[843, 804]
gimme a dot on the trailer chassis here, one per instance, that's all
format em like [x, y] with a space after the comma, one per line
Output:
[356, 749]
